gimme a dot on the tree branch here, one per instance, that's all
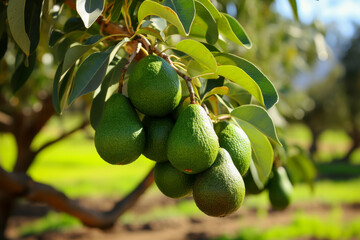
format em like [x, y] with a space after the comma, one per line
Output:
[83, 125]
[23, 185]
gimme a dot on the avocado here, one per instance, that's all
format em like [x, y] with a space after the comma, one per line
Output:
[119, 136]
[220, 190]
[157, 131]
[237, 143]
[250, 185]
[192, 144]
[280, 189]
[154, 86]
[171, 182]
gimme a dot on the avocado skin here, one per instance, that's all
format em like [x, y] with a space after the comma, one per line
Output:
[192, 144]
[237, 143]
[157, 131]
[154, 86]
[220, 190]
[119, 137]
[171, 182]
[280, 189]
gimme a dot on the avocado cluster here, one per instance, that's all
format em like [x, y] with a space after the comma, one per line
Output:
[192, 157]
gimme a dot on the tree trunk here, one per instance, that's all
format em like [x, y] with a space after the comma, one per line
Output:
[313, 147]
[6, 206]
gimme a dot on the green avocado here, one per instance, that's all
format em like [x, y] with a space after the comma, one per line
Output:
[280, 189]
[237, 143]
[171, 182]
[154, 86]
[250, 185]
[119, 137]
[220, 190]
[192, 144]
[157, 131]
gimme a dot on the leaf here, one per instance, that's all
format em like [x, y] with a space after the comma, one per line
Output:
[211, 8]
[302, 169]
[257, 117]
[262, 152]
[216, 90]
[294, 8]
[55, 36]
[238, 94]
[3, 44]
[33, 10]
[237, 75]
[150, 31]
[198, 52]
[185, 9]
[73, 54]
[98, 103]
[89, 10]
[204, 25]
[116, 11]
[268, 90]
[148, 8]
[55, 89]
[23, 72]
[232, 29]
[16, 19]
[89, 75]
[74, 24]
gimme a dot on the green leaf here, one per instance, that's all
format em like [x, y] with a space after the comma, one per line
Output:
[262, 152]
[16, 19]
[152, 32]
[294, 8]
[268, 91]
[232, 29]
[258, 118]
[116, 11]
[198, 52]
[98, 103]
[216, 90]
[185, 9]
[239, 76]
[23, 72]
[55, 89]
[204, 25]
[73, 54]
[89, 75]
[55, 36]
[74, 24]
[238, 94]
[211, 8]
[89, 10]
[33, 11]
[149, 8]
[302, 169]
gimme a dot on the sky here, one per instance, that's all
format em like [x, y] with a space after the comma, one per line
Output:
[342, 13]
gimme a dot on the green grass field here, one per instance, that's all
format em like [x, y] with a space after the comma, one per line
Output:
[74, 167]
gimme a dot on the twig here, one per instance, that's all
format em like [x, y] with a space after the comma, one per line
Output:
[223, 117]
[23, 185]
[83, 125]
[123, 70]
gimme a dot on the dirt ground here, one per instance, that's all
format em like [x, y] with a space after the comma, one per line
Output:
[195, 228]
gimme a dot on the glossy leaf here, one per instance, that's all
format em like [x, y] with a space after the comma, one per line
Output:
[73, 54]
[74, 24]
[98, 103]
[216, 90]
[55, 36]
[211, 8]
[16, 19]
[268, 91]
[89, 10]
[152, 32]
[262, 152]
[149, 8]
[33, 11]
[185, 10]
[22, 72]
[55, 89]
[258, 118]
[238, 94]
[204, 25]
[232, 29]
[239, 76]
[116, 11]
[294, 8]
[198, 52]
[89, 75]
